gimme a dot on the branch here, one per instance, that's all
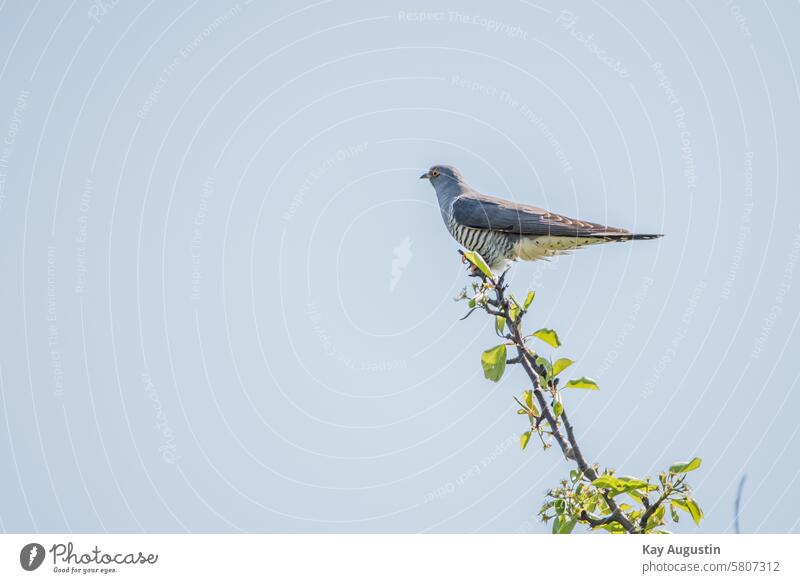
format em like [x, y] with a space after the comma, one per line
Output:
[569, 446]
[529, 364]
[652, 508]
[594, 522]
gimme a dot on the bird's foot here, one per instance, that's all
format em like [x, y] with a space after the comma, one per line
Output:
[473, 271]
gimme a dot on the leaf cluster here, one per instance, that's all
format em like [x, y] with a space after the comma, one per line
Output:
[643, 501]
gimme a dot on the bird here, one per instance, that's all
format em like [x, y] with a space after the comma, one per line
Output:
[502, 231]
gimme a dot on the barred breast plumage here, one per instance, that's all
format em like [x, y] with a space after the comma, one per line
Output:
[495, 247]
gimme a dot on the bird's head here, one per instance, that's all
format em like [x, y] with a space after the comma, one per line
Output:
[443, 175]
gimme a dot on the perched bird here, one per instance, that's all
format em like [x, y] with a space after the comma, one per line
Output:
[503, 231]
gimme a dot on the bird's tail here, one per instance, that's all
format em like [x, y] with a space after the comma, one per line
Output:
[645, 236]
[630, 236]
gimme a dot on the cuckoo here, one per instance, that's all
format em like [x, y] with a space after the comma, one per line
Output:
[503, 231]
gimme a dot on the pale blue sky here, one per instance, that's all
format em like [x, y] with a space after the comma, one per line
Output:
[227, 299]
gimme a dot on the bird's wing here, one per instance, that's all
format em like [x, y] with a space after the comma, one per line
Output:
[496, 214]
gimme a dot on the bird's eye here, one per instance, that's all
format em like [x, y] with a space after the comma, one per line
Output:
[434, 173]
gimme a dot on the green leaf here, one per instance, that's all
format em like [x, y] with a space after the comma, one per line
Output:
[622, 485]
[683, 467]
[494, 362]
[476, 260]
[524, 439]
[548, 335]
[636, 495]
[680, 504]
[562, 524]
[690, 507]
[532, 406]
[694, 510]
[529, 300]
[513, 311]
[659, 514]
[558, 409]
[630, 482]
[561, 364]
[582, 383]
[522, 411]
[675, 516]
[608, 482]
[637, 492]
[499, 324]
[557, 523]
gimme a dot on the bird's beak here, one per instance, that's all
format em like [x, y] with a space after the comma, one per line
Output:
[426, 175]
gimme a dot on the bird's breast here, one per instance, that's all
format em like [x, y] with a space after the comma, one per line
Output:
[494, 246]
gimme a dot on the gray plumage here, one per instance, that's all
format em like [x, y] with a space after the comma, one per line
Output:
[503, 231]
